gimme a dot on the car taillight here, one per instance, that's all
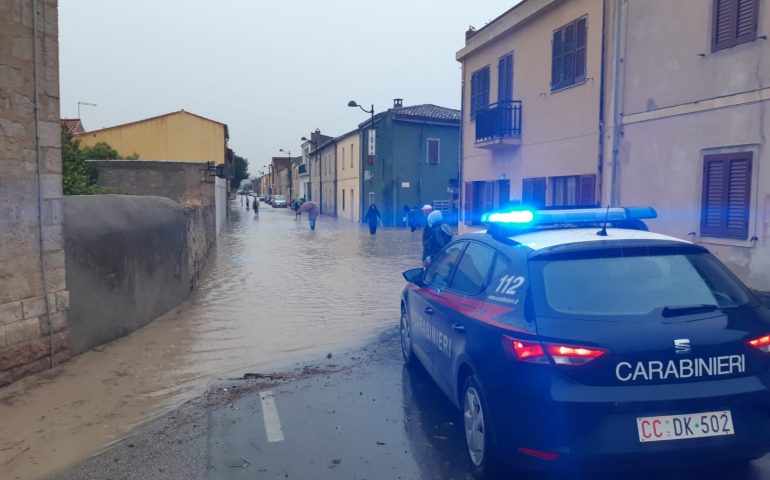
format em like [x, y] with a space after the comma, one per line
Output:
[761, 343]
[572, 355]
[528, 351]
[537, 352]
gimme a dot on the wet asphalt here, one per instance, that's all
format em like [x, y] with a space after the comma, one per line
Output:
[360, 414]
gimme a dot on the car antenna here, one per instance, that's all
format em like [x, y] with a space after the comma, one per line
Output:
[603, 231]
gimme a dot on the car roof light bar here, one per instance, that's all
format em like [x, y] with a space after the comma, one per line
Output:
[526, 218]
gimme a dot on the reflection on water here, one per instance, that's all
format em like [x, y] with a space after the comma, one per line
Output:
[273, 292]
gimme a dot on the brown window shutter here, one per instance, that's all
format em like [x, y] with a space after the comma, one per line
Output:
[569, 54]
[557, 65]
[746, 20]
[587, 190]
[714, 179]
[726, 195]
[724, 24]
[581, 41]
[468, 202]
[433, 151]
[738, 196]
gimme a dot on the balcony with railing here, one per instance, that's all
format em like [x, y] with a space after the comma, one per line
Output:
[499, 125]
[301, 169]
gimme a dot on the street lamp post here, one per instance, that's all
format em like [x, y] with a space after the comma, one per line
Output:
[288, 153]
[353, 104]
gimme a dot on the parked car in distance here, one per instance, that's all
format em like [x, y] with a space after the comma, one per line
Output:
[279, 201]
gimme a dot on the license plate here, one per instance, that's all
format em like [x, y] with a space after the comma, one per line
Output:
[681, 427]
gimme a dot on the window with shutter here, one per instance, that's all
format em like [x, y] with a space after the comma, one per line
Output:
[726, 197]
[568, 54]
[734, 23]
[433, 151]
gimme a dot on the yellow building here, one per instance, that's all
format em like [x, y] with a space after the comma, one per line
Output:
[178, 136]
[348, 179]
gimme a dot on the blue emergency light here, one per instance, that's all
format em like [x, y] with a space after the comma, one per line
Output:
[523, 218]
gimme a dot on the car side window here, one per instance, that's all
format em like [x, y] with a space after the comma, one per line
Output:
[440, 270]
[473, 270]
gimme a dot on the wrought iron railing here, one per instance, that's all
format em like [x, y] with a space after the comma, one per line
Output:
[499, 120]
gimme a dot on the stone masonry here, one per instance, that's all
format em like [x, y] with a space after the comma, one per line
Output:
[33, 294]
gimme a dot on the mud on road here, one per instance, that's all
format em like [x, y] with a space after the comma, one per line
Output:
[359, 414]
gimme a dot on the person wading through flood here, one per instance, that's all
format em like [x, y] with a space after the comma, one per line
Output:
[255, 204]
[312, 215]
[372, 217]
[439, 235]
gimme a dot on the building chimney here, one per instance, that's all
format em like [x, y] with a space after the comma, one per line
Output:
[398, 102]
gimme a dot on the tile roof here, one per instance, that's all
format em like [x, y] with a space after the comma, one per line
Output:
[425, 112]
[428, 112]
[73, 125]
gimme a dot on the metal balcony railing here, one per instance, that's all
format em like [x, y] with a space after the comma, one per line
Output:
[498, 121]
[301, 169]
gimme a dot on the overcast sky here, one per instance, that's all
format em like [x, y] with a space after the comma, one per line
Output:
[271, 70]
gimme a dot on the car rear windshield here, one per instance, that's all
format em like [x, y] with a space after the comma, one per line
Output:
[632, 283]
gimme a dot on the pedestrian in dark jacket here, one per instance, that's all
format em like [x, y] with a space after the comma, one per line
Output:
[372, 217]
[440, 235]
[255, 204]
[413, 218]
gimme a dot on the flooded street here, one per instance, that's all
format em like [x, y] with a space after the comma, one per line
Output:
[273, 293]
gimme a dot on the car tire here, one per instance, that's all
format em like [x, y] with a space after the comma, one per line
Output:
[405, 333]
[479, 441]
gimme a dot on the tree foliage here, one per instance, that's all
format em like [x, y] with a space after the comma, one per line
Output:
[240, 171]
[79, 178]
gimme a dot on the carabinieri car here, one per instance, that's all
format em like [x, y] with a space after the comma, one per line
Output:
[578, 340]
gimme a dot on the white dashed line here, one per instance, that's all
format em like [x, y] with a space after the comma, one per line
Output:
[273, 427]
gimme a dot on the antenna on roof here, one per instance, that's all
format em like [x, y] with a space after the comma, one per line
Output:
[603, 231]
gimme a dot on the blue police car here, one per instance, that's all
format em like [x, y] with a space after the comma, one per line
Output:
[577, 339]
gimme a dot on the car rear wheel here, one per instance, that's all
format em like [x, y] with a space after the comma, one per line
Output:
[405, 330]
[478, 439]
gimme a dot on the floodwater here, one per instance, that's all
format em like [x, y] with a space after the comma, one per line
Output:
[273, 293]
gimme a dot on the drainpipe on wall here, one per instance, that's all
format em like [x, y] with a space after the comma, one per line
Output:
[36, 103]
[602, 91]
[617, 115]
[460, 184]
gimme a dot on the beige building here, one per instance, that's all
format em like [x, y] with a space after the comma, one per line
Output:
[177, 136]
[692, 125]
[328, 178]
[348, 178]
[531, 127]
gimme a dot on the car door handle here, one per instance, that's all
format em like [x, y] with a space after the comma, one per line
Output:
[429, 310]
[458, 328]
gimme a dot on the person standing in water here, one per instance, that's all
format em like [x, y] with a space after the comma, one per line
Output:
[372, 217]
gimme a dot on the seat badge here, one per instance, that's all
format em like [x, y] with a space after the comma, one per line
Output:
[682, 346]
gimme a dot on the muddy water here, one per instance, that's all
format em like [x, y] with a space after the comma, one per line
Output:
[273, 293]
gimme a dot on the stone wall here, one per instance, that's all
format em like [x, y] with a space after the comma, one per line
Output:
[184, 182]
[129, 260]
[33, 293]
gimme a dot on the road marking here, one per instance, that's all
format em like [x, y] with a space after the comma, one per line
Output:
[273, 427]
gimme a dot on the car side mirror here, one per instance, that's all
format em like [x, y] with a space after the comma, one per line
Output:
[414, 275]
